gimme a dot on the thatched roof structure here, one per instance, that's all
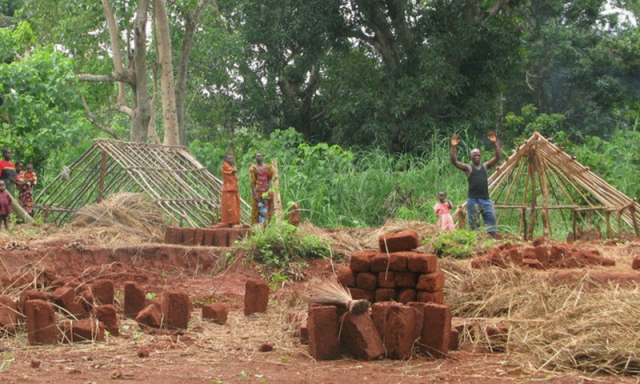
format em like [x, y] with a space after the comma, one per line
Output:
[184, 189]
[540, 176]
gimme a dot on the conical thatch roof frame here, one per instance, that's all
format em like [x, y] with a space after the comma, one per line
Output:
[182, 187]
[540, 177]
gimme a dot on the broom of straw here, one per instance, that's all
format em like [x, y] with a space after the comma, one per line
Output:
[331, 293]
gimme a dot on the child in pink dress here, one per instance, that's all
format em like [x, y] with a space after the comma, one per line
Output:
[443, 210]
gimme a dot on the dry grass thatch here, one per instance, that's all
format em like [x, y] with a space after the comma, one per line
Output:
[570, 326]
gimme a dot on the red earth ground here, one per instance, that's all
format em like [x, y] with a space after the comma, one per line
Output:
[211, 353]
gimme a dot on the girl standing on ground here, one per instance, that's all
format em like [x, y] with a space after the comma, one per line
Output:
[443, 210]
[5, 205]
[25, 180]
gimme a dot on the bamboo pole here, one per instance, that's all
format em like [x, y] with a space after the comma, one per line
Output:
[277, 199]
[542, 175]
[532, 175]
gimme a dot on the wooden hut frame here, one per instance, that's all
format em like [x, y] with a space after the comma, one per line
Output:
[539, 171]
[182, 187]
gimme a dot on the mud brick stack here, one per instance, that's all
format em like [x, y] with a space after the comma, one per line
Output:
[394, 272]
[216, 236]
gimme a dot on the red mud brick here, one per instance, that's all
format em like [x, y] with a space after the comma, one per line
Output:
[513, 254]
[220, 237]
[208, 239]
[556, 252]
[542, 254]
[431, 282]
[397, 242]
[30, 295]
[102, 290]
[436, 329]
[64, 297]
[81, 330]
[86, 299]
[107, 315]
[481, 261]
[179, 235]
[398, 261]
[422, 263]
[189, 236]
[8, 315]
[405, 279]
[385, 294]
[45, 277]
[77, 309]
[379, 262]
[323, 333]
[134, 299]
[169, 235]
[216, 312]
[303, 331]
[430, 297]
[539, 241]
[532, 263]
[360, 338]
[346, 277]
[635, 264]
[406, 295]
[498, 335]
[176, 309]
[150, 316]
[366, 280]
[400, 332]
[504, 246]
[361, 261]
[379, 315]
[256, 296]
[387, 279]
[362, 294]
[198, 236]
[41, 322]
[454, 339]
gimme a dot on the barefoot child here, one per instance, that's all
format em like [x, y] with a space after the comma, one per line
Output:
[5, 205]
[443, 210]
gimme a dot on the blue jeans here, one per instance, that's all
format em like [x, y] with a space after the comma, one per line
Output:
[484, 207]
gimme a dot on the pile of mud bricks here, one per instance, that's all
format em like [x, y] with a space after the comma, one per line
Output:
[407, 316]
[212, 237]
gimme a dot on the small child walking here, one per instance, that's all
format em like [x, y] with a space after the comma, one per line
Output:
[443, 210]
[5, 205]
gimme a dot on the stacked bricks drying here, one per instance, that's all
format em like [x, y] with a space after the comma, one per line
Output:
[394, 272]
[217, 236]
[392, 330]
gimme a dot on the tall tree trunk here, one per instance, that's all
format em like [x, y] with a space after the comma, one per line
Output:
[142, 109]
[165, 59]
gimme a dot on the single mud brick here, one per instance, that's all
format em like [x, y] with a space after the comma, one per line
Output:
[436, 297]
[134, 299]
[189, 236]
[176, 309]
[397, 242]
[179, 235]
[41, 322]
[379, 315]
[362, 294]
[216, 312]
[379, 262]
[635, 264]
[431, 282]
[303, 331]
[323, 333]
[359, 337]
[102, 290]
[366, 280]
[198, 236]
[532, 263]
[107, 315]
[498, 335]
[436, 329]
[64, 297]
[346, 277]
[220, 237]
[556, 252]
[256, 296]
[77, 309]
[406, 279]
[59, 282]
[169, 235]
[31, 294]
[504, 246]
[81, 330]
[405, 295]
[86, 299]
[385, 294]
[454, 339]
[400, 332]
[361, 260]
[387, 279]
[9, 315]
[45, 277]
[398, 261]
[513, 254]
[150, 317]
[422, 263]
[481, 261]
[542, 254]
[208, 237]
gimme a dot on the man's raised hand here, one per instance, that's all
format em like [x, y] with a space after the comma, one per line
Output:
[492, 137]
[455, 141]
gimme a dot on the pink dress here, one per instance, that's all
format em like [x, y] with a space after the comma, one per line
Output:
[445, 220]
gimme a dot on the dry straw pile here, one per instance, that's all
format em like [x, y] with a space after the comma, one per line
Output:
[576, 325]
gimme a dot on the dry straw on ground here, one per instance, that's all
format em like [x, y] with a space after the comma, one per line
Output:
[569, 326]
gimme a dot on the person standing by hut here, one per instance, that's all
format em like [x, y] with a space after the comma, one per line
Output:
[25, 180]
[7, 169]
[6, 204]
[230, 201]
[478, 201]
[260, 176]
